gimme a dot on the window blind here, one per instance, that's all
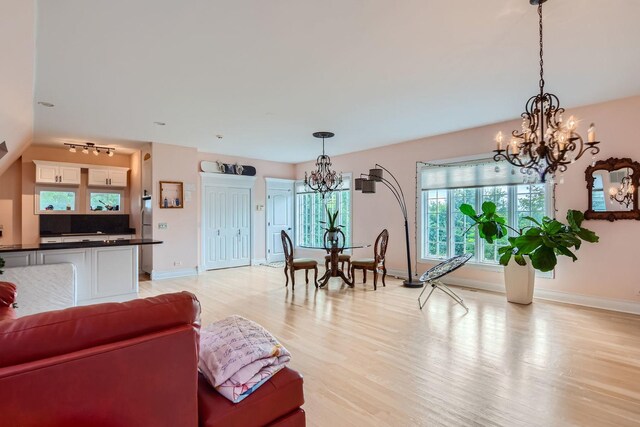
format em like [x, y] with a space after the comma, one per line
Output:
[481, 173]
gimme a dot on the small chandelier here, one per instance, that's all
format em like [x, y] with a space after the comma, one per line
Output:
[546, 144]
[90, 146]
[623, 194]
[323, 180]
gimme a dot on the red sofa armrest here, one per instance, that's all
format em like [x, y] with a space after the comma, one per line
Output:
[7, 294]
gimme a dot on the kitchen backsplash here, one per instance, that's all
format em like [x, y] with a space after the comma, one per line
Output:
[51, 225]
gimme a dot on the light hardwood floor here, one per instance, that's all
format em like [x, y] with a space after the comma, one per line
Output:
[373, 358]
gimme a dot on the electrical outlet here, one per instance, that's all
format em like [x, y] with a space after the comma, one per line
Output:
[163, 225]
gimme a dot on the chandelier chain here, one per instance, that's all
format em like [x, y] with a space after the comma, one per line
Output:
[541, 49]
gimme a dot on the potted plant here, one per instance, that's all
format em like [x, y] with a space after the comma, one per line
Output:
[534, 247]
[332, 227]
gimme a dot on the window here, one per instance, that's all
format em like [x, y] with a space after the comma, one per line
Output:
[105, 201]
[311, 208]
[55, 200]
[446, 232]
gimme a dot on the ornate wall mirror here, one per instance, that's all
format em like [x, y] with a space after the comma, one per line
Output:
[613, 189]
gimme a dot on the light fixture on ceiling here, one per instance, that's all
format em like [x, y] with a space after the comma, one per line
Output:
[90, 146]
[323, 180]
[46, 104]
[546, 144]
[623, 194]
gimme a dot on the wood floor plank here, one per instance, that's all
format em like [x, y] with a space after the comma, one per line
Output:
[372, 358]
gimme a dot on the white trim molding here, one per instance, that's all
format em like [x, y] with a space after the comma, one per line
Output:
[172, 274]
[258, 261]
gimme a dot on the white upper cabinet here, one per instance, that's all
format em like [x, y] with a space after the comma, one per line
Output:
[103, 177]
[55, 173]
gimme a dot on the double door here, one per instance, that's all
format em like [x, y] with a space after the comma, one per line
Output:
[227, 227]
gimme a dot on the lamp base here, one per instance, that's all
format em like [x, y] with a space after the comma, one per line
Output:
[412, 283]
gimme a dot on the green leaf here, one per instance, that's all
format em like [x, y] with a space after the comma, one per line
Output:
[489, 208]
[505, 258]
[527, 244]
[504, 249]
[575, 218]
[468, 210]
[588, 235]
[534, 231]
[490, 229]
[544, 259]
[548, 242]
[553, 227]
[566, 252]
[533, 220]
[519, 259]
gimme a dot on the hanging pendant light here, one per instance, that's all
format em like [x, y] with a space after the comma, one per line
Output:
[546, 143]
[323, 180]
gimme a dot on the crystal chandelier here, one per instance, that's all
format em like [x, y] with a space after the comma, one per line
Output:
[623, 194]
[323, 180]
[546, 144]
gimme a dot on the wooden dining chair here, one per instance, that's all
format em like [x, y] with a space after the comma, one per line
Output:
[342, 257]
[375, 264]
[292, 264]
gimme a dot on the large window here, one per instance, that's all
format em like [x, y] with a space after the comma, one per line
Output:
[52, 200]
[446, 232]
[311, 208]
[105, 201]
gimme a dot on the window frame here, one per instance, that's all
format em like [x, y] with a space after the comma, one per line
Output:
[346, 177]
[87, 201]
[61, 189]
[476, 261]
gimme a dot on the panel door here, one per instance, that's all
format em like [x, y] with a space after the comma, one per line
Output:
[114, 271]
[215, 233]
[69, 175]
[118, 178]
[98, 177]
[239, 227]
[279, 217]
[46, 174]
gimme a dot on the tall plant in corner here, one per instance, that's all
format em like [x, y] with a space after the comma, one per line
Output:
[541, 242]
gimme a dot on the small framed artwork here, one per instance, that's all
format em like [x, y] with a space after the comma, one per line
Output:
[171, 195]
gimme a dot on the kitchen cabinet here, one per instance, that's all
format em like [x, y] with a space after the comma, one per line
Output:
[107, 177]
[56, 173]
[86, 238]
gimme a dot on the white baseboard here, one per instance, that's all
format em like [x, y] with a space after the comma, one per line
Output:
[546, 294]
[258, 261]
[171, 274]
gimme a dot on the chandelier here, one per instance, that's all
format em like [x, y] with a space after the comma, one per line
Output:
[546, 143]
[323, 180]
[90, 147]
[623, 194]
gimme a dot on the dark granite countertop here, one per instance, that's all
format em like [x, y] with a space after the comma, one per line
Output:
[76, 245]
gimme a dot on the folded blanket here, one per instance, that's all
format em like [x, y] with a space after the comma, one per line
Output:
[237, 356]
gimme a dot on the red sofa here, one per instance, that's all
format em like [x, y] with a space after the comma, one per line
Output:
[123, 364]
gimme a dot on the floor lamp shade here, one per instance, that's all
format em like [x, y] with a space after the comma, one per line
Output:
[368, 186]
[358, 183]
[375, 174]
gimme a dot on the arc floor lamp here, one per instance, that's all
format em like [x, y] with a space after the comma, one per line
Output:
[367, 184]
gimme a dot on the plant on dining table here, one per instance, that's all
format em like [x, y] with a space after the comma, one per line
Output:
[542, 242]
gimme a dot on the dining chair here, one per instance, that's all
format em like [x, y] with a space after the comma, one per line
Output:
[292, 264]
[375, 264]
[342, 257]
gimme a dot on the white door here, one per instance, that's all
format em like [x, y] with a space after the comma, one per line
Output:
[279, 217]
[239, 226]
[69, 175]
[215, 227]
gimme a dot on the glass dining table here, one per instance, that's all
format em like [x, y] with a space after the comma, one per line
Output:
[334, 262]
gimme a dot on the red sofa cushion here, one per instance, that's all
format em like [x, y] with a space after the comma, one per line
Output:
[279, 396]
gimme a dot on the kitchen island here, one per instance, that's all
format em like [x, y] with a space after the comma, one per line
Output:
[106, 270]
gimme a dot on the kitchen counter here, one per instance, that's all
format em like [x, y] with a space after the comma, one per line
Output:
[76, 245]
[105, 270]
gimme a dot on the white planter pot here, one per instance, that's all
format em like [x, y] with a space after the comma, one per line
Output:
[519, 282]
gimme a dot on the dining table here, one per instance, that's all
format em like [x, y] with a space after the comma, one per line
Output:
[334, 249]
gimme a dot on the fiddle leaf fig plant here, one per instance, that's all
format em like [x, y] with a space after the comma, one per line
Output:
[542, 242]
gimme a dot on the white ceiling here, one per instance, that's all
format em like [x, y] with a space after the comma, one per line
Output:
[268, 73]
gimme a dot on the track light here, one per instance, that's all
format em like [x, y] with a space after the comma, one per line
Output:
[90, 146]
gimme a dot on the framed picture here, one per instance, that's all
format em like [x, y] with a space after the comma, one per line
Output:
[171, 195]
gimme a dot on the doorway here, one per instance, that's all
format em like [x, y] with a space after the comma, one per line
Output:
[279, 216]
